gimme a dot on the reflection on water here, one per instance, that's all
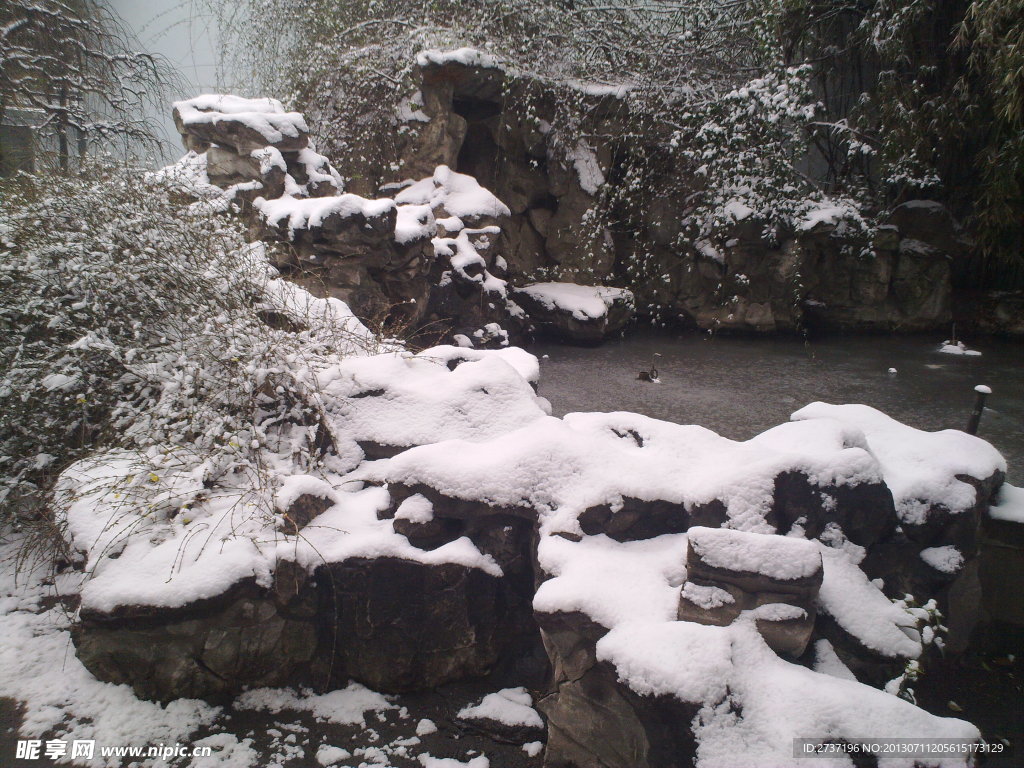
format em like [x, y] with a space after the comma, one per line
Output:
[740, 386]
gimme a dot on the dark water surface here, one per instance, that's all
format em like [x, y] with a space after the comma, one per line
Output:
[742, 386]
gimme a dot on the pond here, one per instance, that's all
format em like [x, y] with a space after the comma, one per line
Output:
[742, 386]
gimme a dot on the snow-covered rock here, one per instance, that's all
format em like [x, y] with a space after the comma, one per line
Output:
[241, 124]
[508, 714]
[585, 314]
[776, 577]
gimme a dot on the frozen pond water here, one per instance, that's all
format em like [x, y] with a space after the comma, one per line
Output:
[742, 386]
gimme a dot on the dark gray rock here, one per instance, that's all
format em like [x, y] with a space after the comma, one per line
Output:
[302, 511]
[931, 223]
[404, 626]
[595, 720]
[940, 526]
[503, 732]
[865, 512]
[226, 167]
[211, 649]
[999, 313]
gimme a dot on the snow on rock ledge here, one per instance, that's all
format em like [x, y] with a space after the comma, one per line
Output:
[241, 124]
[508, 714]
[634, 477]
[584, 314]
[467, 57]
[388, 403]
[940, 481]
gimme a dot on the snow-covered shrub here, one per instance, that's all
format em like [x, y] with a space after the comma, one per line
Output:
[129, 322]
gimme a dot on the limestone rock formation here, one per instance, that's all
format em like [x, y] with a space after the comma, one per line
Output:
[437, 253]
[501, 129]
[473, 119]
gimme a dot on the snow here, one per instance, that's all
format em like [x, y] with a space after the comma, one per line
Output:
[510, 706]
[524, 363]
[347, 706]
[160, 559]
[588, 169]
[310, 213]
[265, 116]
[427, 761]
[469, 57]
[945, 559]
[352, 529]
[459, 194]
[778, 557]
[228, 752]
[444, 205]
[59, 695]
[414, 222]
[778, 612]
[562, 467]
[533, 748]
[269, 158]
[154, 533]
[610, 581]
[726, 668]
[416, 509]
[828, 662]
[1009, 504]
[707, 598]
[708, 251]
[861, 608]
[189, 177]
[584, 302]
[615, 90]
[410, 109]
[148, 540]
[58, 381]
[328, 316]
[295, 486]
[318, 168]
[328, 755]
[827, 214]
[425, 727]
[983, 390]
[920, 468]
[690, 661]
[405, 400]
[737, 210]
